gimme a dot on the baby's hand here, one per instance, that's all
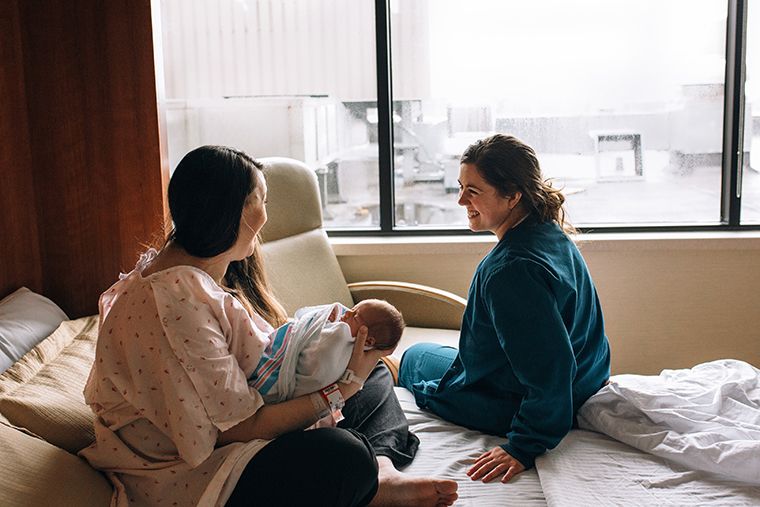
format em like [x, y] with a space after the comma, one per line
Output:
[333, 314]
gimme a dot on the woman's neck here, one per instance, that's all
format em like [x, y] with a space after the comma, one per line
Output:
[516, 217]
[174, 255]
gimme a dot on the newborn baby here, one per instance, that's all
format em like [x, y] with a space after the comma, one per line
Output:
[312, 351]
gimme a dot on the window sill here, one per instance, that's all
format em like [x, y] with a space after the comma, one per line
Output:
[475, 245]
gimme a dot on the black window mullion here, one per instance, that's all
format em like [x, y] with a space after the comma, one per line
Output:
[384, 114]
[733, 113]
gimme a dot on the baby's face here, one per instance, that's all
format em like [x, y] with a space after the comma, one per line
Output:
[353, 318]
[357, 317]
[376, 317]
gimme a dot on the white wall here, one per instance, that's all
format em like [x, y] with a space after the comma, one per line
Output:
[669, 302]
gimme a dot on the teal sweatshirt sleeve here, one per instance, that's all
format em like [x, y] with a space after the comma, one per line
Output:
[531, 332]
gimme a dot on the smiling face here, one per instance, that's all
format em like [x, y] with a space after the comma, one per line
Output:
[253, 219]
[487, 209]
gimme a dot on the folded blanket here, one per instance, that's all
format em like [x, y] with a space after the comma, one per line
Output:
[706, 418]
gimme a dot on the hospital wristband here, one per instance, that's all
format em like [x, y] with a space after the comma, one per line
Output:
[321, 407]
[349, 376]
[334, 398]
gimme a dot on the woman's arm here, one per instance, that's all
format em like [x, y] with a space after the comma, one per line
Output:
[537, 346]
[532, 334]
[271, 421]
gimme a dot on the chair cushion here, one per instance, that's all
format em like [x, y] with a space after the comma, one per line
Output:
[26, 318]
[303, 271]
[293, 199]
[34, 472]
[42, 392]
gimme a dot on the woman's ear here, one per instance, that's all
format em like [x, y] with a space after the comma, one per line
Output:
[370, 341]
[514, 199]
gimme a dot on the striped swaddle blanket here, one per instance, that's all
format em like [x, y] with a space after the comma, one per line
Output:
[304, 355]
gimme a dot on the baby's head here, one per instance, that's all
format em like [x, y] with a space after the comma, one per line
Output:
[384, 322]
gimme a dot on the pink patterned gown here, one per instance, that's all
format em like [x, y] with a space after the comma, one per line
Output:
[173, 355]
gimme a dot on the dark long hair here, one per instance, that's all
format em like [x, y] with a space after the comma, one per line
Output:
[207, 194]
[510, 165]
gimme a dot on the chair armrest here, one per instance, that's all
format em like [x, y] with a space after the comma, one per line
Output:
[422, 306]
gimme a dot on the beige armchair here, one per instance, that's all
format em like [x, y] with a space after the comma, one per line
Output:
[304, 270]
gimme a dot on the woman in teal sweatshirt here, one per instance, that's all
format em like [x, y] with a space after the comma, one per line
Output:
[532, 347]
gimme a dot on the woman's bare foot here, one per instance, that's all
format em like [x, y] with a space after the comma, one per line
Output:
[397, 489]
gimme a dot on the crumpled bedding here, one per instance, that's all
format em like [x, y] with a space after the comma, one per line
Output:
[706, 418]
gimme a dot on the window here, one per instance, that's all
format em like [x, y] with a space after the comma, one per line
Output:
[623, 101]
[751, 167]
[289, 78]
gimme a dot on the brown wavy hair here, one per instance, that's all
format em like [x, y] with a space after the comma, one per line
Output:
[247, 281]
[510, 165]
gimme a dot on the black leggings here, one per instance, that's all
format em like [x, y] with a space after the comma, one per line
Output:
[326, 466]
[332, 466]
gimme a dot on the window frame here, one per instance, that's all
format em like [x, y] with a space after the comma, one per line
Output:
[732, 150]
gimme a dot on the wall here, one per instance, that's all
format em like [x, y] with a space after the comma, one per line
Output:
[19, 246]
[669, 302]
[80, 112]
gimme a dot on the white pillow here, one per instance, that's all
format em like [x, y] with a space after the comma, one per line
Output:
[26, 318]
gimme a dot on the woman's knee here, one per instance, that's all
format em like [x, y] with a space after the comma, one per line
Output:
[335, 467]
[346, 469]
[334, 449]
[344, 444]
[424, 361]
[381, 376]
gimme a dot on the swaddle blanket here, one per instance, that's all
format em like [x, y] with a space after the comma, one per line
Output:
[706, 418]
[304, 355]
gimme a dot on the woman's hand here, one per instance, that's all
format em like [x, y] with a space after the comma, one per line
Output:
[363, 362]
[494, 463]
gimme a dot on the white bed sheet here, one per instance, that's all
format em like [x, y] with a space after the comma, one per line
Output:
[589, 468]
[447, 450]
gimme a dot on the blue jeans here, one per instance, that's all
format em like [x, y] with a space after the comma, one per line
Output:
[423, 366]
[425, 369]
